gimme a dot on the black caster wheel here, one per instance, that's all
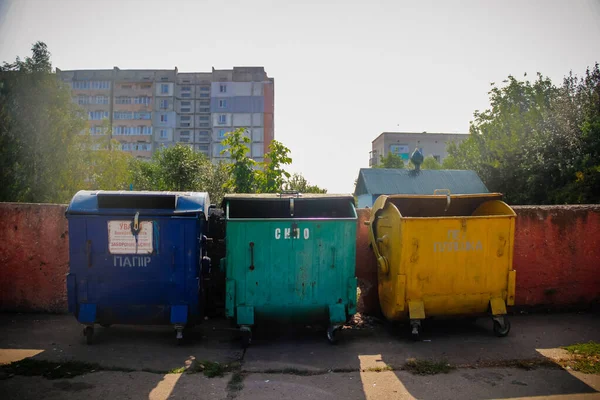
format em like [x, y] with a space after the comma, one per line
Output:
[88, 332]
[179, 335]
[416, 331]
[246, 338]
[501, 328]
[332, 335]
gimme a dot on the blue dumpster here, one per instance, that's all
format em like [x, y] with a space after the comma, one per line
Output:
[137, 258]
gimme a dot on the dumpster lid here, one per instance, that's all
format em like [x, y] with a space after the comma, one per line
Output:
[286, 195]
[123, 202]
[289, 205]
[439, 205]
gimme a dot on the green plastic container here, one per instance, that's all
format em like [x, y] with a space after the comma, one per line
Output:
[290, 257]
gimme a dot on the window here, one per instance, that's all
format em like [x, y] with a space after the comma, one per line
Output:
[223, 88]
[203, 148]
[125, 86]
[186, 88]
[222, 119]
[222, 103]
[203, 136]
[164, 88]
[163, 134]
[185, 124]
[437, 158]
[164, 104]
[186, 109]
[125, 146]
[123, 100]
[146, 130]
[184, 133]
[184, 139]
[142, 100]
[142, 115]
[163, 118]
[204, 110]
[185, 118]
[222, 133]
[186, 94]
[203, 125]
[146, 86]
[97, 115]
[204, 89]
[123, 115]
[82, 99]
[203, 118]
[204, 94]
[186, 103]
[204, 102]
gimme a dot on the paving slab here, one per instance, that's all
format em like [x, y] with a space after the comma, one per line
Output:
[59, 338]
[492, 383]
[115, 385]
[532, 337]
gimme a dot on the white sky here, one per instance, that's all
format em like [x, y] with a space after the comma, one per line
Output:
[344, 71]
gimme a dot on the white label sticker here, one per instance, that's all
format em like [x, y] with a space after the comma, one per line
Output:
[122, 241]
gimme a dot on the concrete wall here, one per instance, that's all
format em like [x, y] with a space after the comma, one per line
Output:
[34, 257]
[556, 255]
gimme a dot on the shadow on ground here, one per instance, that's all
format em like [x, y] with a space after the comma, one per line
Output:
[300, 363]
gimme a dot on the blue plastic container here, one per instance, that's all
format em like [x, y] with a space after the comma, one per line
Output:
[136, 258]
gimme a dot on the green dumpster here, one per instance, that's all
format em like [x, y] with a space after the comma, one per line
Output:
[290, 257]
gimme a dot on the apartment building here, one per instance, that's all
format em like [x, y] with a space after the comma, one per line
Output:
[152, 109]
[404, 143]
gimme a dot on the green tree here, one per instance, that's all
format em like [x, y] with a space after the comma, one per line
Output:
[214, 177]
[40, 149]
[108, 164]
[178, 168]
[299, 184]
[242, 175]
[431, 163]
[537, 143]
[391, 161]
[272, 176]
[145, 174]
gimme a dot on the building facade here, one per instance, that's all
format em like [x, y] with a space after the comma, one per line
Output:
[404, 143]
[152, 109]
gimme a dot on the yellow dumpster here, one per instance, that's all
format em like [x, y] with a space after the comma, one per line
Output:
[444, 255]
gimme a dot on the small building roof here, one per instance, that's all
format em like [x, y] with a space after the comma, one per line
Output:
[378, 181]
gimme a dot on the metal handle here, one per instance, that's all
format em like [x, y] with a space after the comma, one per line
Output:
[447, 193]
[251, 256]
[88, 252]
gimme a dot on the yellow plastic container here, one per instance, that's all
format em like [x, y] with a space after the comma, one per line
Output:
[444, 255]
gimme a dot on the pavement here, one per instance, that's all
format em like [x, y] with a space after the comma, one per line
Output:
[367, 363]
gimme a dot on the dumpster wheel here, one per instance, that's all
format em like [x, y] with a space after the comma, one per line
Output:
[332, 335]
[501, 326]
[88, 332]
[416, 330]
[246, 336]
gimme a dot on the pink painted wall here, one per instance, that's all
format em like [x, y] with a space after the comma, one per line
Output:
[34, 257]
[557, 257]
